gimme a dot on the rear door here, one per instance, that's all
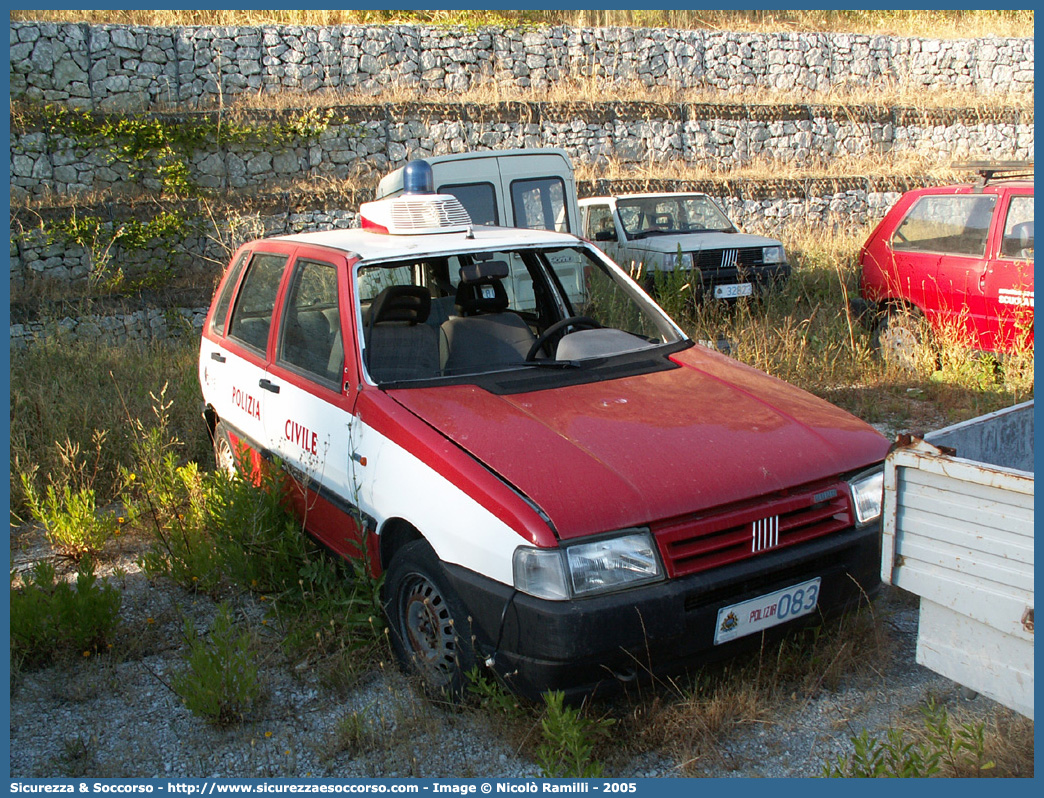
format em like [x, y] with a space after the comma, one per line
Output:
[1007, 283]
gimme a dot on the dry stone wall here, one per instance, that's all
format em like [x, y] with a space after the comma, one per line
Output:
[110, 67]
[366, 141]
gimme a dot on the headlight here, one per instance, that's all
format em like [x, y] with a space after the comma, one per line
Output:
[674, 260]
[773, 255]
[868, 495]
[585, 569]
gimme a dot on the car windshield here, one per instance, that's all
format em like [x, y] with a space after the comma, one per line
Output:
[690, 213]
[477, 313]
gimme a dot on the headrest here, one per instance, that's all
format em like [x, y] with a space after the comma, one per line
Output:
[409, 303]
[484, 270]
[1024, 231]
[482, 296]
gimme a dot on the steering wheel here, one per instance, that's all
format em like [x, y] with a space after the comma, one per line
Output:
[557, 327]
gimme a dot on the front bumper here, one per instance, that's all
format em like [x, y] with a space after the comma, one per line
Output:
[582, 645]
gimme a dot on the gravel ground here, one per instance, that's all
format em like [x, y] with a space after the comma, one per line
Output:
[114, 715]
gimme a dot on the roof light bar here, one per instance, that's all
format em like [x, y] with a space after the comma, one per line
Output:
[415, 214]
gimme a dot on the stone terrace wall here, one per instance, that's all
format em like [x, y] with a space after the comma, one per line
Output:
[366, 141]
[108, 67]
[768, 207]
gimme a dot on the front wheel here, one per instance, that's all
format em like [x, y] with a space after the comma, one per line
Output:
[430, 630]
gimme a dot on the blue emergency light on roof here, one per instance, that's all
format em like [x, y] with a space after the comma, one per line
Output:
[417, 178]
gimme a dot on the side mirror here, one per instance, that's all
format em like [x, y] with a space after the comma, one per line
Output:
[605, 235]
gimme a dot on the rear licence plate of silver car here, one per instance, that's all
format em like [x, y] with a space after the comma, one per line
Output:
[763, 612]
[733, 291]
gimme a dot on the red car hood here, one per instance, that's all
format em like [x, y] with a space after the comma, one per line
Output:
[624, 452]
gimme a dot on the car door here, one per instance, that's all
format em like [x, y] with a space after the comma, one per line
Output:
[311, 395]
[243, 373]
[1007, 283]
[939, 255]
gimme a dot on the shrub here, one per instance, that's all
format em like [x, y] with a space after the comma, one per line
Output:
[50, 618]
[221, 681]
[67, 508]
[569, 739]
[940, 749]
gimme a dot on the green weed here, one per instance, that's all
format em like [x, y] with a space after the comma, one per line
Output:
[50, 618]
[221, 682]
[67, 507]
[939, 749]
[569, 740]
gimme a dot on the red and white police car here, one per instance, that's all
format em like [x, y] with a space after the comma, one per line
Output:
[554, 479]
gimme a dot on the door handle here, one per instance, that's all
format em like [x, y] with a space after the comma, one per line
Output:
[269, 386]
[220, 358]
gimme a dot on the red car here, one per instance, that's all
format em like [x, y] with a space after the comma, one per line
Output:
[555, 481]
[955, 260]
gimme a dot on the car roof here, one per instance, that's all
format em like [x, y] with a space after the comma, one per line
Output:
[373, 246]
[652, 195]
[992, 187]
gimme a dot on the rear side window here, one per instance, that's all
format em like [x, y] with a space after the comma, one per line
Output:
[311, 339]
[252, 317]
[478, 199]
[953, 224]
[221, 308]
[1018, 229]
[539, 204]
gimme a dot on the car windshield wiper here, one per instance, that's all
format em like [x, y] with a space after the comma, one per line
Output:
[647, 233]
[554, 364]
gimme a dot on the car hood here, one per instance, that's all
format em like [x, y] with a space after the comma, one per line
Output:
[620, 453]
[697, 242]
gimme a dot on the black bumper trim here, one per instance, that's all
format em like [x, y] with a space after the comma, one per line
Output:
[581, 645]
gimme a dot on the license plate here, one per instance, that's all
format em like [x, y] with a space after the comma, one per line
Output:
[733, 291]
[766, 611]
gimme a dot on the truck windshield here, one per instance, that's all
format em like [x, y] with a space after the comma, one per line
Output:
[670, 214]
[475, 313]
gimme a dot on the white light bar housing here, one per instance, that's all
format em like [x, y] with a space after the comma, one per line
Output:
[415, 214]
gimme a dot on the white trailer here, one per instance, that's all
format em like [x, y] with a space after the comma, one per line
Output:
[958, 532]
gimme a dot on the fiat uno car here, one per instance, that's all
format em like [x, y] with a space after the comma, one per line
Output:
[954, 261]
[555, 481]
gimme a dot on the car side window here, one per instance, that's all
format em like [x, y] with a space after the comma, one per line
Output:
[252, 316]
[539, 204]
[951, 224]
[1018, 229]
[217, 323]
[600, 225]
[311, 338]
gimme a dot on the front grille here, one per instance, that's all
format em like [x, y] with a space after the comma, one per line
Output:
[699, 542]
[712, 259]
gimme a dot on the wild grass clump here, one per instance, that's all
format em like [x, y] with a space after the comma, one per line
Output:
[65, 391]
[940, 24]
[216, 533]
[67, 507]
[687, 720]
[220, 682]
[51, 618]
[940, 747]
[569, 740]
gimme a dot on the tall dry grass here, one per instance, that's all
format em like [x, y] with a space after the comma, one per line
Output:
[940, 24]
